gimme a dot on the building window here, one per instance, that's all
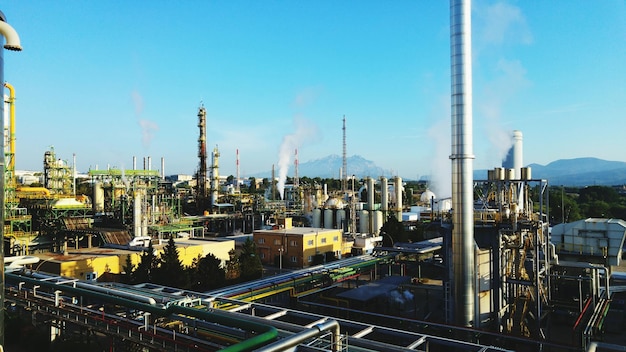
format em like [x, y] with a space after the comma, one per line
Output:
[310, 259]
[324, 240]
[310, 242]
[294, 259]
[276, 242]
[293, 243]
[336, 239]
[262, 255]
[261, 240]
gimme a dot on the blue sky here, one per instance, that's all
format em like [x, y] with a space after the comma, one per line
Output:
[109, 80]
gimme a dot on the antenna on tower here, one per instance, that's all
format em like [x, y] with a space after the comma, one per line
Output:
[344, 167]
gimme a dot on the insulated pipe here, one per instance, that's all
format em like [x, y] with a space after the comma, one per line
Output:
[10, 35]
[462, 162]
[265, 333]
[316, 330]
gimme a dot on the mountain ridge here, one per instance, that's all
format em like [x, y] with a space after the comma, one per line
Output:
[584, 171]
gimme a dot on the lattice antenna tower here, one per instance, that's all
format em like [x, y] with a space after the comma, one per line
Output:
[344, 166]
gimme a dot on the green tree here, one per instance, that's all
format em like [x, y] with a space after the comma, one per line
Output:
[393, 231]
[210, 273]
[249, 261]
[146, 268]
[171, 271]
[233, 269]
[127, 274]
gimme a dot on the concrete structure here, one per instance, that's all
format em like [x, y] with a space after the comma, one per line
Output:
[598, 241]
[298, 245]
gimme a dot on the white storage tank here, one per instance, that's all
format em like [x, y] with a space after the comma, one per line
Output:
[377, 222]
[317, 218]
[98, 197]
[364, 222]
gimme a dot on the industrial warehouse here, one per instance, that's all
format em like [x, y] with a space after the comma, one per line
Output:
[490, 275]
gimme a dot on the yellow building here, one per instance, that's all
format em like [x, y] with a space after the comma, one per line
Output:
[297, 245]
[91, 263]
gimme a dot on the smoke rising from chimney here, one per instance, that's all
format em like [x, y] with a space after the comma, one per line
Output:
[148, 128]
[305, 132]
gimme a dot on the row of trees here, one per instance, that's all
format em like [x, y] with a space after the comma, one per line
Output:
[205, 273]
[568, 204]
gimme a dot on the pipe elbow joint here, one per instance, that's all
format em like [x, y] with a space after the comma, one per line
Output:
[11, 36]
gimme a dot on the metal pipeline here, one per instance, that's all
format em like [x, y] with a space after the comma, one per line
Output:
[316, 330]
[11, 37]
[266, 333]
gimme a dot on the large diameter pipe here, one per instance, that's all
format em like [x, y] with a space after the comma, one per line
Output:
[462, 162]
[316, 330]
[265, 333]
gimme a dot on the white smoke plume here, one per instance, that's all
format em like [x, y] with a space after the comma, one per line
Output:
[305, 131]
[147, 127]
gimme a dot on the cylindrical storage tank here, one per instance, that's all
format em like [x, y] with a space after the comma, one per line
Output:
[378, 222]
[340, 217]
[499, 173]
[328, 219]
[364, 222]
[397, 186]
[491, 175]
[509, 174]
[98, 197]
[526, 173]
[137, 214]
[384, 194]
[317, 218]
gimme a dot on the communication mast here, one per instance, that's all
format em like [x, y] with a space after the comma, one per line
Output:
[344, 166]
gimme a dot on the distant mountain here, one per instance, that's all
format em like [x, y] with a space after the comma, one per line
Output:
[576, 172]
[330, 166]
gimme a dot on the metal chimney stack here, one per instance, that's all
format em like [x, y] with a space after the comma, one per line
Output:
[462, 163]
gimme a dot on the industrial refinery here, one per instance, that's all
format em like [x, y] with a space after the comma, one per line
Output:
[490, 275]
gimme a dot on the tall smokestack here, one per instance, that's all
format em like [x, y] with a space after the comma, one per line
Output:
[397, 187]
[515, 157]
[462, 162]
[162, 168]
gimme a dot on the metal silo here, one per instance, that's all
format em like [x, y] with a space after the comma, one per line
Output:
[317, 218]
[328, 218]
[364, 222]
